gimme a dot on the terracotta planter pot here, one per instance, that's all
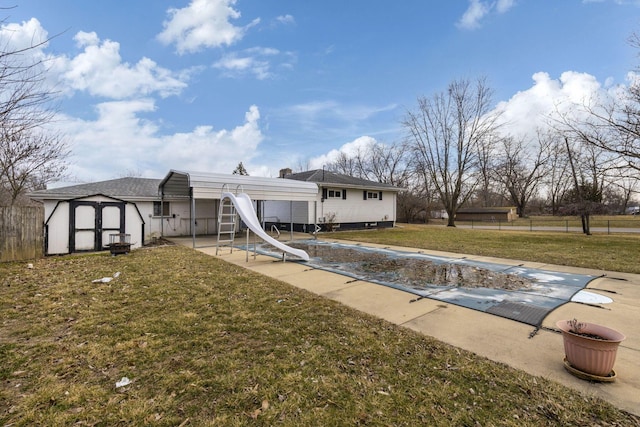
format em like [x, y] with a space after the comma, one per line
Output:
[590, 355]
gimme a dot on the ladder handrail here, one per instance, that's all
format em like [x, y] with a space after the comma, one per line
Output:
[231, 212]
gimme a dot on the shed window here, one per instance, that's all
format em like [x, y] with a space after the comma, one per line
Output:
[372, 195]
[161, 209]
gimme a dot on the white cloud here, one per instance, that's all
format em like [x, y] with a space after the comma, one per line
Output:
[473, 15]
[286, 19]
[120, 140]
[203, 24]
[503, 6]
[254, 61]
[531, 109]
[316, 110]
[100, 71]
[350, 149]
[479, 9]
[28, 34]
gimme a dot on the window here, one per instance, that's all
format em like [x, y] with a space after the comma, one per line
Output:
[368, 195]
[161, 209]
[333, 194]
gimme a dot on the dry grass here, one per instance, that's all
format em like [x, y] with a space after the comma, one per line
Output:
[208, 343]
[618, 252]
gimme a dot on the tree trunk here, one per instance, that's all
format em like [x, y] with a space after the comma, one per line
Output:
[586, 229]
[451, 218]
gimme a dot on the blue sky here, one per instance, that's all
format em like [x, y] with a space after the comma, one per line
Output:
[153, 85]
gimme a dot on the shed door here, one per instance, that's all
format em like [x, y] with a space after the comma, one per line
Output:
[90, 224]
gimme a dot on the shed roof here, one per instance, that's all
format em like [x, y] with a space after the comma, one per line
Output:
[122, 188]
[321, 177]
[204, 185]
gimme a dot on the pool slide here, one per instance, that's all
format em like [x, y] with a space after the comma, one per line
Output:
[245, 208]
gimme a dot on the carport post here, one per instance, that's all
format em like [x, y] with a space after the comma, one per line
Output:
[291, 216]
[193, 220]
[315, 219]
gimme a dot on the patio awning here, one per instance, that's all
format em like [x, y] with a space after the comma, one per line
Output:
[204, 185]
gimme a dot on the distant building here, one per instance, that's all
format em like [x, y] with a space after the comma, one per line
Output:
[499, 214]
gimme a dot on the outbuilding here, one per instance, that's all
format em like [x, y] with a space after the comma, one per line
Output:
[83, 217]
[495, 214]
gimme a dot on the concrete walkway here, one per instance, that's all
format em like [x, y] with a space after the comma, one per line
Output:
[538, 353]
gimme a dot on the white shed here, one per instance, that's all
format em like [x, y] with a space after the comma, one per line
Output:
[82, 217]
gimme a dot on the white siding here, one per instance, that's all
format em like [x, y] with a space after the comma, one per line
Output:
[57, 227]
[356, 209]
[57, 220]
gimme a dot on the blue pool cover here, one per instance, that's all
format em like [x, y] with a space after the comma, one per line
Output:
[542, 290]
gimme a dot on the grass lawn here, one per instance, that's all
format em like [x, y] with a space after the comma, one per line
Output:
[619, 252]
[207, 343]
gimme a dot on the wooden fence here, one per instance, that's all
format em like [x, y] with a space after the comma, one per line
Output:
[21, 233]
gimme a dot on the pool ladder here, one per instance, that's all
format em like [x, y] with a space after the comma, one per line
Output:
[227, 220]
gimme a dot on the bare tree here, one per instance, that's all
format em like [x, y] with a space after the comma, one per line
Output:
[444, 134]
[521, 167]
[29, 161]
[385, 163]
[31, 155]
[558, 177]
[625, 181]
[485, 193]
[588, 166]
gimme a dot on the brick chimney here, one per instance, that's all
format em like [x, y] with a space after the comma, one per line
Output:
[284, 172]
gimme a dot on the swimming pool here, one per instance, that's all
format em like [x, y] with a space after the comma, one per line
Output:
[516, 292]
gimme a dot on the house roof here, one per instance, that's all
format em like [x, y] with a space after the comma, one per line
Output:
[321, 176]
[121, 188]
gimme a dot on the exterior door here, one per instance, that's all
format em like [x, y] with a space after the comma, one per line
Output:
[90, 224]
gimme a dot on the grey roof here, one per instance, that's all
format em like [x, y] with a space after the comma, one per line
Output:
[121, 188]
[321, 176]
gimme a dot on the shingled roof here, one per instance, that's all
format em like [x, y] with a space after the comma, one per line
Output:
[321, 176]
[121, 188]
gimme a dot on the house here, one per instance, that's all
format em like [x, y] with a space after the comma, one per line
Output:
[85, 217]
[342, 201]
[496, 214]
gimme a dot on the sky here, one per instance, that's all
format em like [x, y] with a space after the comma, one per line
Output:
[200, 85]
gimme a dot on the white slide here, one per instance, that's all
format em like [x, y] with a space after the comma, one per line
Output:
[244, 206]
